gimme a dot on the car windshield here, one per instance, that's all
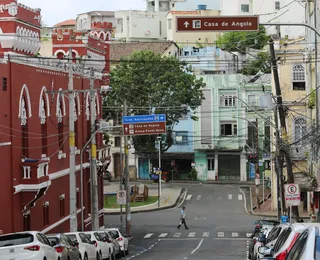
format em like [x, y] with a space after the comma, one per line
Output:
[15, 239]
[73, 238]
[55, 240]
[115, 233]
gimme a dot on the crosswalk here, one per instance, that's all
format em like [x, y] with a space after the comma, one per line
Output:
[218, 234]
[231, 197]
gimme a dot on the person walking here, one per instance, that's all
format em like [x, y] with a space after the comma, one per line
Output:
[183, 217]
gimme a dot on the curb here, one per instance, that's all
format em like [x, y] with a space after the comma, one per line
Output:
[213, 182]
[180, 197]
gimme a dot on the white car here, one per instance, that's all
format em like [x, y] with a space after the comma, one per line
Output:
[87, 248]
[123, 241]
[31, 245]
[104, 249]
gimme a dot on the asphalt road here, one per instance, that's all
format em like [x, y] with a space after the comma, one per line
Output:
[218, 227]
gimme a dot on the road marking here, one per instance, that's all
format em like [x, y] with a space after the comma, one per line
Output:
[240, 197]
[230, 196]
[220, 234]
[209, 197]
[177, 235]
[199, 197]
[245, 200]
[230, 238]
[248, 234]
[219, 198]
[192, 234]
[189, 197]
[205, 234]
[194, 250]
[163, 235]
[148, 235]
[234, 234]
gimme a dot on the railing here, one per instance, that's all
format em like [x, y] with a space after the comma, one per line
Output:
[34, 172]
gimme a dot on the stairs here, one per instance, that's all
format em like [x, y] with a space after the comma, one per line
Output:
[139, 198]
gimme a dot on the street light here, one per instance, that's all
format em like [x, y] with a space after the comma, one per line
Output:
[160, 171]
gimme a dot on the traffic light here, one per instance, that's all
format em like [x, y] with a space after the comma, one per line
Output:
[252, 158]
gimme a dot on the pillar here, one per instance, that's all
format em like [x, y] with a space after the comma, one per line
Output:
[216, 165]
[243, 167]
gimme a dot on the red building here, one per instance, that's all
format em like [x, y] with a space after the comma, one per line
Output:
[34, 128]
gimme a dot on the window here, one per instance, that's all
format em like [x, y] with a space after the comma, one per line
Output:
[44, 143]
[120, 25]
[60, 135]
[62, 207]
[170, 24]
[252, 100]
[296, 251]
[267, 143]
[300, 128]
[4, 84]
[210, 164]
[298, 77]
[181, 137]
[282, 239]
[25, 140]
[26, 222]
[245, 8]
[160, 28]
[45, 214]
[228, 128]
[78, 198]
[227, 100]
[117, 141]
[277, 5]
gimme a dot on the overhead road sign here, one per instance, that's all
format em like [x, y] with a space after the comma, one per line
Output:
[218, 23]
[143, 119]
[153, 128]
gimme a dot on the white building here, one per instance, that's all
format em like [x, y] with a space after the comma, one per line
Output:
[273, 11]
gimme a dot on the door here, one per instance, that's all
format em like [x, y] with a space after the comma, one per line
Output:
[117, 165]
[229, 167]
[144, 169]
[210, 166]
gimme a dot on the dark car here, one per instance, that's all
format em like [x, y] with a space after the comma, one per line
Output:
[107, 176]
[66, 249]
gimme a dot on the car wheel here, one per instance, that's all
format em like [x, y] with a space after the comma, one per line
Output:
[123, 253]
[99, 256]
[127, 251]
[85, 257]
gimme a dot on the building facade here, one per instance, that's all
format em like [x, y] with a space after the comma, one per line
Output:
[34, 126]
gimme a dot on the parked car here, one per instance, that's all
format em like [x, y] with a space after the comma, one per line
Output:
[114, 243]
[107, 176]
[66, 249]
[260, 241]
[285, 241]
[87, 248]
[31, 245]
[123, 241]
[104, 249]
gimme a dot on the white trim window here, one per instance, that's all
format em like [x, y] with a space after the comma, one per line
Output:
[277, 5]
[300, 128]
[245, 8]
[298, 77]
[228, 100]
[228, 128]
[252, 100]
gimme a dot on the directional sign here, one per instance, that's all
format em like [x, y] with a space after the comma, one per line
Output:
[292, 194]
[218, 23]
[144, 128]
[143, 119]
[121, 197]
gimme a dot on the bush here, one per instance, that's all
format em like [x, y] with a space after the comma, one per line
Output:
[193, 175]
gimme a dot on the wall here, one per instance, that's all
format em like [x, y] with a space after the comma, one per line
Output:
[183, 125]
[201, 165]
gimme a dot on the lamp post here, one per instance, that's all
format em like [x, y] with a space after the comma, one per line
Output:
[160, 171]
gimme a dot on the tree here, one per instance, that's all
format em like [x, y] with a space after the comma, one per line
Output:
[240, 41]
[260, 63]
[152, 83]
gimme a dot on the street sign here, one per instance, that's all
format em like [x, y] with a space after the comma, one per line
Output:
[218, 23]
[292, 194]
[121, 197]
[143, 119]
[144, 128]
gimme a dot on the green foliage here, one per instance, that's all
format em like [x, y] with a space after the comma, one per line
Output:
[261, 63]
[193, 174]
[147, 80]
[239, 41]
[312, 99]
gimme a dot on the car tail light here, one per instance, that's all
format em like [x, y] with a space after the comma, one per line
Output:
[119, 238]
[59, 249]
[96, 244]
[282, 256]
[32, 248]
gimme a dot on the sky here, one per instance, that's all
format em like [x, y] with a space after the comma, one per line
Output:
[55, 11]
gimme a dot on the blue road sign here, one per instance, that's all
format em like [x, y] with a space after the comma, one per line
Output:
[143, 119]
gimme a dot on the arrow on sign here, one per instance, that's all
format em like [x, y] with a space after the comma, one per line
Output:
[186, 24]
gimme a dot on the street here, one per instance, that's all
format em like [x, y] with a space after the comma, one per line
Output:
[217, 220]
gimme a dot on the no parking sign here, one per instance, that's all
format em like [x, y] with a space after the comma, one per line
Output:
[292, 194]
[121, 197]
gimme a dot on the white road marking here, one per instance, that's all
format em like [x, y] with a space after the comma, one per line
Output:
[148, 235]
[189, 197]
[205, 234]
[199, 197]
[194, 250]
[230, 196]
[209, 197]
[163, 235]
[234, 234]
[177, 235]
[248, 235]
[220, 234]
[240, 197]
[219, 198]
[230, 238]
[245, 200]
[192, 234]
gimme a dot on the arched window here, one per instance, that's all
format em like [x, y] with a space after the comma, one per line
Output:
[298, 77]
[60, 124]
[300, 128]
[24, 128]
[44, 142]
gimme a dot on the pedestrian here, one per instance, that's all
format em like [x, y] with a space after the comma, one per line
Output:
[284, 218]
[183, 218]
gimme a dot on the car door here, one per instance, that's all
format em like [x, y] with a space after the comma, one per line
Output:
[51, 252]
[73, 251]
[91, 249]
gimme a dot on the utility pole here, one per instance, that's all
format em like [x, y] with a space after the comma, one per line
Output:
[127, 179]
[160, 172]
[93, 161]
[121, 176]
[285, 151]
[72, 161]
[257, 182]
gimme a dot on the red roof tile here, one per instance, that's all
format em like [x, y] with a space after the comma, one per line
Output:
[69, 22]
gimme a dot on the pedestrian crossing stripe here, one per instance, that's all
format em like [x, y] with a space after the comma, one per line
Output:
[193, 234]
[230, 197]
[148, 235]
[240, 197]
[234, 234]
[199, 197]
[177, 235]
[205, 234]
[248, 234]
[163, 235]
[189, 197]
[221, 235]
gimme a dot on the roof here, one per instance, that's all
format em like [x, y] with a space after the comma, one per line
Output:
[119, 50]
[69, 22]
[184, 12]
[104, 13]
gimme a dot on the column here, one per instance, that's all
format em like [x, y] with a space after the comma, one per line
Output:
[243, 168]
[216, 165]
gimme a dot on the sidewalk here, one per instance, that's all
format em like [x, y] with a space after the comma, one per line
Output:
[172, 195]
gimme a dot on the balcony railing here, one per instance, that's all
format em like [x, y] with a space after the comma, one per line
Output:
[34, 171]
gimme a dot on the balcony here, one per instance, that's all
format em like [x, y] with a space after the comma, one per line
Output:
[34, 171]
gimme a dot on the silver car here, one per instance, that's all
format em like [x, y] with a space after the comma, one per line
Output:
[111, 239]
[66, 249]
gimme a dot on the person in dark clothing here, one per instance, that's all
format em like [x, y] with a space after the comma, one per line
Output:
[183, 218]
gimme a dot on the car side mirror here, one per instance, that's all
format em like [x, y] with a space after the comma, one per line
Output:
[93, 242]
[76, 244]
[263, 250]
